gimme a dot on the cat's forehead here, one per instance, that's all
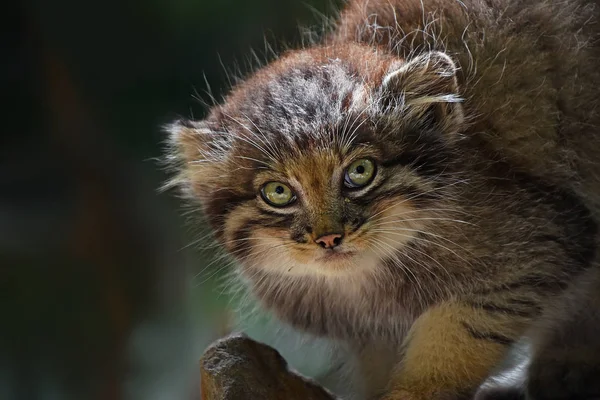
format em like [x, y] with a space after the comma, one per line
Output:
[311, 95]
[302, 99]
[304, 93]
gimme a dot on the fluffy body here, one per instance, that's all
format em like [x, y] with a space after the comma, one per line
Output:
[482, 118]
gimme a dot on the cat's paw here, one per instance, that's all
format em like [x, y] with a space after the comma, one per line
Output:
[566, 374]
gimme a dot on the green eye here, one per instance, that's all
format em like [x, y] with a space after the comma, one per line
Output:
[360, 173]
[277, 194]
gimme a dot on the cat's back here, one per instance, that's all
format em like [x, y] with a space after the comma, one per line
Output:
[529, 73]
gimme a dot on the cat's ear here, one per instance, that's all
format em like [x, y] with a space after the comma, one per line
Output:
[426, 88]
[193, 152]
[189, 140]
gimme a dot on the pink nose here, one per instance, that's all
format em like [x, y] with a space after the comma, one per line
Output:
[330, 240]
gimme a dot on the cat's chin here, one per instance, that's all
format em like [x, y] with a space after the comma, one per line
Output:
[332, 263]
[339, 263]
[336, 263]
[333, 256]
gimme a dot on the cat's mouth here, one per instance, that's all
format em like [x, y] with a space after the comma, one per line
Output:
[336, 255]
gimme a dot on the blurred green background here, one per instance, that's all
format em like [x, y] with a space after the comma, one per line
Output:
[101, 295]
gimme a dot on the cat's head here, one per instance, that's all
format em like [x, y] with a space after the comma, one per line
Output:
[326, 162]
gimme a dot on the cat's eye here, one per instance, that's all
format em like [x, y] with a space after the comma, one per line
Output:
[277, 194]
[360, 173]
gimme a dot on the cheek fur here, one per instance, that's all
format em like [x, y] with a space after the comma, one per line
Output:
[394, 223]
[269, 250]
[274, 252]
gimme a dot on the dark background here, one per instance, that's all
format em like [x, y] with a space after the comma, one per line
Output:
[99, 296]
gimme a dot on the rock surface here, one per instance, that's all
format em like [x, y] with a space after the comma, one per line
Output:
[239, 368]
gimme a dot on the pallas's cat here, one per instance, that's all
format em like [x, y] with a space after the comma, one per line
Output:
[419, 185]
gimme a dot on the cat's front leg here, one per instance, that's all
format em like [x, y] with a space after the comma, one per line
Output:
[371, 366]
[449, 351]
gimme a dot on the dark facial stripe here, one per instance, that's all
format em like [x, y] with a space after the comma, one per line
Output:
[242, 247]
[219, 207]
[299, 237]
[282, 221]
[489, 336]
[271, 213]
[227, 200]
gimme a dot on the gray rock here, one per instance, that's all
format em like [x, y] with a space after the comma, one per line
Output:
[239, 368]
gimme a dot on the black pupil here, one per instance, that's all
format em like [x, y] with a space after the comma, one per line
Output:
[360, 169]
[279, 189]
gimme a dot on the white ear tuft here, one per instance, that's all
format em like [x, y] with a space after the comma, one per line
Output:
[425, 82]
[193, 155]
[190, 141]
[432, 73]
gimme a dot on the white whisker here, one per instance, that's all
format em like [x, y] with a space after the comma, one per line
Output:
[412, 237]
